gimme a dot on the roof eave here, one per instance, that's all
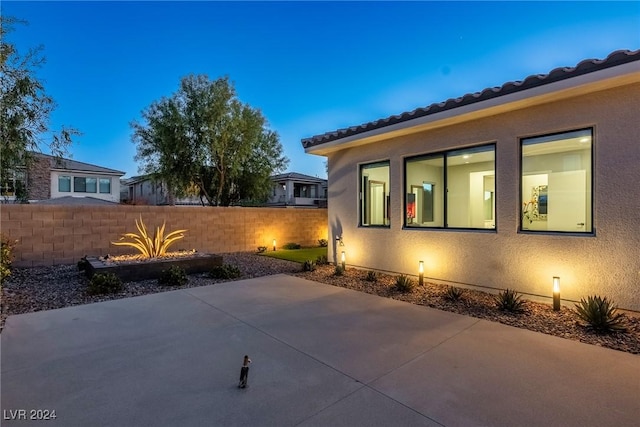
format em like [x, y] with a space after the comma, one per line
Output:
[607, 78]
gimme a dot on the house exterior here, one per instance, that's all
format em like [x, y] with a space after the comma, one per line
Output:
[504, 188]
[296, 189]
[52, 179]
[144, 190]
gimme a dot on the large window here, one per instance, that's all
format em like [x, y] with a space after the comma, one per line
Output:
[556, 192]
[13, 184]
[374, 194]
[85, 185]
[455, 189]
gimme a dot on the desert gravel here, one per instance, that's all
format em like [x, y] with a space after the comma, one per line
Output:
[46, 288]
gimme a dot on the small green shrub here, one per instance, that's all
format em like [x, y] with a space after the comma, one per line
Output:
[404, 284]
[600, 314]
[323, 243]
[309, 265]
[107, 283]
[226, 271]
[262, 249]
[510, 300]
[339, 271]
[291, 245]
[6, 256]
[453, 293]
[83, 264]
[173, 276]
[371, 276]
[322, 260]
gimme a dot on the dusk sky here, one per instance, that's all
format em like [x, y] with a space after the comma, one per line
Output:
[310, 67]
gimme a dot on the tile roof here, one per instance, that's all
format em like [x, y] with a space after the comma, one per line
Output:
[296, 177]
[75, 201]
[586, 66]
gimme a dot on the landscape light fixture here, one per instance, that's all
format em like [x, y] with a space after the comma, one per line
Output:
[556, 293]
[421, 273]
[274, 245]
[344, 260]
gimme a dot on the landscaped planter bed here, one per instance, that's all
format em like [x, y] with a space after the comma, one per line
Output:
[132, 271]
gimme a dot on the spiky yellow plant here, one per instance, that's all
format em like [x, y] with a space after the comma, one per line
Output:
[150, 247]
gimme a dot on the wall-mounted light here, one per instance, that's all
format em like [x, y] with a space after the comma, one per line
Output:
[421, 273]
[556, 293]
[274, 245]
[339, 241]
[344, 261]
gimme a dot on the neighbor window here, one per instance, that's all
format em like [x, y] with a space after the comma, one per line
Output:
[105, 185]
[64, 184]
[84, 184]
[374, 194]
[556, 192]
[455, 189]
[13, 184]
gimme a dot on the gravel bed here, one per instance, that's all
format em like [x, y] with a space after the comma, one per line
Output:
[46, 288]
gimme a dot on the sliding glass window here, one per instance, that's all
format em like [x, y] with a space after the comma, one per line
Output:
[556, 192]
[374, 194]
[455, 189]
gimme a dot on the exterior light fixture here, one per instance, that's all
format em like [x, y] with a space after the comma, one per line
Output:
[274, 245]
[344, 260]
[556, 293]
[421, 273]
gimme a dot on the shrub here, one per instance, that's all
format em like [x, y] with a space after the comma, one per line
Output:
[338, 271]
[323, 243]
[226, 271]
[291, 245]
[453, 293]
[6, 256]
[371, 276]
[150, 247]
[83, 264]
[262, 249]
[600, 314]
[107, 283]
[510, 300]
[404, 284]
[173, 276]
[322, 260]
[309, 265]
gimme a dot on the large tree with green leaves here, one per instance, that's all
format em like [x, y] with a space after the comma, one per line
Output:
[203, 140]
[25, 107]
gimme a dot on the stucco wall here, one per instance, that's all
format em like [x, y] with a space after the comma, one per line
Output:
[607, 263]
[49, 234]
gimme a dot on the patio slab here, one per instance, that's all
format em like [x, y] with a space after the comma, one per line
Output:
[322, 356]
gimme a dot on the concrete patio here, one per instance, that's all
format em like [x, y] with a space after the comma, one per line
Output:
[322, 356]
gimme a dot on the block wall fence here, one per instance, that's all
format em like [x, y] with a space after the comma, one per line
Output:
[50, 235]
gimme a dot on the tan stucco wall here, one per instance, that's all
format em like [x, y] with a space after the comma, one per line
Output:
[607, 264]
[49, 234]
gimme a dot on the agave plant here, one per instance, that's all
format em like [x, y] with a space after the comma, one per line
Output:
[600, 314]
[150, 247]
[404, 284]
[510, 300]
[453, 293]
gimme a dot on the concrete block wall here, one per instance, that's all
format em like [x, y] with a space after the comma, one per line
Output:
[50, 235]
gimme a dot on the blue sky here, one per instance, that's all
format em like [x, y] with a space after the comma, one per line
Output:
[311, 67]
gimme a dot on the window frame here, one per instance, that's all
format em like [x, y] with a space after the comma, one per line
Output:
[445, 155]
[387, 192]
[591, 182]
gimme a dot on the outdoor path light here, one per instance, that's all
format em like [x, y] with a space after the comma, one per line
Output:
[556, 293]
[344, 260]
[421, 273]
[274, 245]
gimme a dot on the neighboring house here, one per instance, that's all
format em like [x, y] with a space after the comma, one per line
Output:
[51, 178]
[504, 188]
[290, 189]
[296, 189]
[144, 190]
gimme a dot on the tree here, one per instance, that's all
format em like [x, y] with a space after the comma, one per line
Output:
[25, 107]
[203, 140]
